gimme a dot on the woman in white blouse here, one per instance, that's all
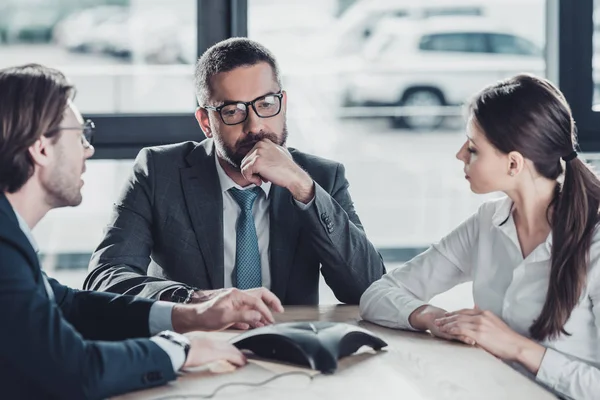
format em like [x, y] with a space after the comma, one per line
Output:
[533, 256]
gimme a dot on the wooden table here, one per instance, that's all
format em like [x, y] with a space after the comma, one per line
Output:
[414, 366]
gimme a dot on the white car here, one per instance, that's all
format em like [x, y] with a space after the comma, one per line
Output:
[355, 26]
[436, 62]
[75, 32]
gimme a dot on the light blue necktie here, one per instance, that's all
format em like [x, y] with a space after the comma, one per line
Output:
[247, 255]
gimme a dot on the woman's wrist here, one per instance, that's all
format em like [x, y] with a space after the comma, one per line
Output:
[422, 318]
[530, 354]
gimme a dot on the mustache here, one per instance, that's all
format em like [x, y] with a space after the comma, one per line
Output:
[252, 138]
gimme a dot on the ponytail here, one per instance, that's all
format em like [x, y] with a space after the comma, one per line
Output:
[573, 221]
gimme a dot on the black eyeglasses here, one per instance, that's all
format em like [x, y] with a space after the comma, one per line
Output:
[237, 112]
[87, 132]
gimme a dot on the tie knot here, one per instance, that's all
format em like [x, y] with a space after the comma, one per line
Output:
[245, 198]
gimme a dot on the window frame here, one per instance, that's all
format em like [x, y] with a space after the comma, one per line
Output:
[575, 72]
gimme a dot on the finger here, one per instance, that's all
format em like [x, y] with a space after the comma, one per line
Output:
[467, 340]
[271, 300]
[462, 329]
[241, 326]
[234, 356]
[452, 327]
[246, 300]
[443, 335]
[250, 173]
[245, 316]
[266, 142]
[454, 318]
[444, 320]
[465, 311]
[247, 168]
[250, 156]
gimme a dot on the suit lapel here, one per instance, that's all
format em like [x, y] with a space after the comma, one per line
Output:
[283, 237]
[204, 201]
[11, 231]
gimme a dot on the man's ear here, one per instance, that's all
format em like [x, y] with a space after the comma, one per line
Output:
[41, 151]
[284, 101]
[203, 121]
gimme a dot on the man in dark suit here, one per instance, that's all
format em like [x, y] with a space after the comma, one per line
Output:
[238, 209]
[61, 343]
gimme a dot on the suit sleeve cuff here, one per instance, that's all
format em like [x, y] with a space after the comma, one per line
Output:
[303, 206]
[551, 368]
[160, 317]
[175, 352]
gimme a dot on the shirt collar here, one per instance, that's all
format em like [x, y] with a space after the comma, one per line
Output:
[228, 183]
[28, 234]
[503, 220]
[503, 212]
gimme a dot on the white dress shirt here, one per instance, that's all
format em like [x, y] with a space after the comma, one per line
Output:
[260, 212]
[159, 318]
[485, 250]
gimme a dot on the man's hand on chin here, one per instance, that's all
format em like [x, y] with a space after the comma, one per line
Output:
[269, 162]
[228, 308]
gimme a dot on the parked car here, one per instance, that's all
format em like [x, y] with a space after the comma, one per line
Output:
[76, 32]
[437, 62]
[28, 21]
[152, 35]
[354, 27]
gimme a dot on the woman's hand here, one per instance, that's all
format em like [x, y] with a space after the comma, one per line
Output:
[492, 334]
[423, 319]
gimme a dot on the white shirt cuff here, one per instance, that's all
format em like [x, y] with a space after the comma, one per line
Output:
[551, 368]
[160, 317]
[303, 206]
[176, 353]
[407, 310]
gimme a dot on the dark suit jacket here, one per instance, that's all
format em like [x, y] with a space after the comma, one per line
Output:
[167, 229]
[51, 349]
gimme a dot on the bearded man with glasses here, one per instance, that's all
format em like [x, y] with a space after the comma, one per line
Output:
[239, 209]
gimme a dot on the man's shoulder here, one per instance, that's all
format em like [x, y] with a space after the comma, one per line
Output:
[312, 162]
[177, 153]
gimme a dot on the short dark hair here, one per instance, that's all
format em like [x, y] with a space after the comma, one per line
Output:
[33, 99]
[226, 56]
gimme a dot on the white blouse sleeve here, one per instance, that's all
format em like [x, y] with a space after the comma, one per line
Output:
[390, 300]
[568, 375]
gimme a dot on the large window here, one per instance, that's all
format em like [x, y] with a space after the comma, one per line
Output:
[377, 85]
[132, 62]
[128, 58]
[380, 86]
[125, 56]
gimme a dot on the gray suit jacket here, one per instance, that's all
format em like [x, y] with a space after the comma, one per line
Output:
[167, 230]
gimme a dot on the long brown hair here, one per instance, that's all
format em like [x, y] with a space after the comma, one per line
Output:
[33, 99]
[531, 116]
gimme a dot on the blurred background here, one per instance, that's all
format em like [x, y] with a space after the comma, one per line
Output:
[379, 85]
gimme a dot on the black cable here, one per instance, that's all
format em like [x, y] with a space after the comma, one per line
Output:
[218, 389]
